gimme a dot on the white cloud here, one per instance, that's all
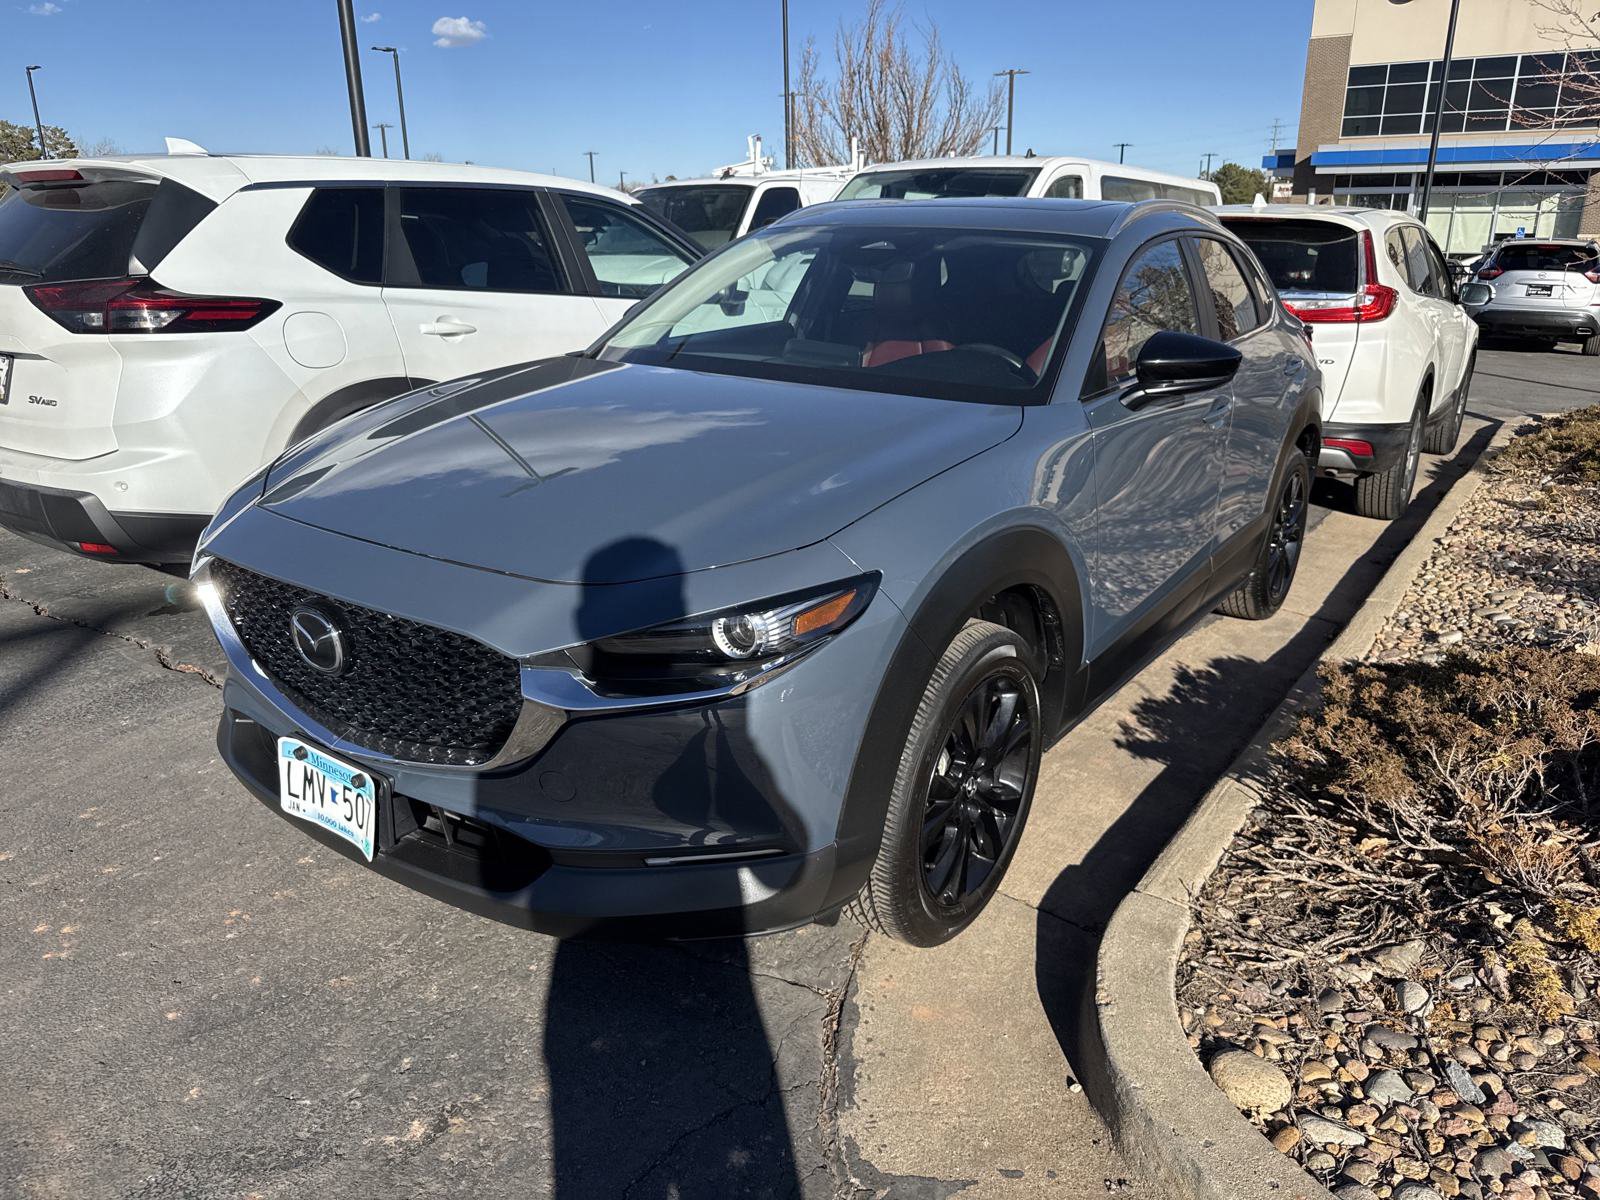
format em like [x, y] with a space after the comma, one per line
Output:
[450, 32]
[47, 9]
[371, 17]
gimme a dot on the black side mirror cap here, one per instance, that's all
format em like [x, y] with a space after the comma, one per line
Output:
[1175, 364]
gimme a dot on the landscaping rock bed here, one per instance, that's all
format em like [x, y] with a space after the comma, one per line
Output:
[1394, 970]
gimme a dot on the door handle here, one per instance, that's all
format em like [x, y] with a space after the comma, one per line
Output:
[1293, 366]
[446, 327]
[1218, 412]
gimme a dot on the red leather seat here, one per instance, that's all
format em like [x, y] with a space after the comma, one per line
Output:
[881, 354]
[1041, 356]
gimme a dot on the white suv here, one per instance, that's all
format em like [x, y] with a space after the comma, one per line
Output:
[169, 324]
[1395, 346]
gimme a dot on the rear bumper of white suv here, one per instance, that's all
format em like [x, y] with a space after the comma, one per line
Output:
[79, 522]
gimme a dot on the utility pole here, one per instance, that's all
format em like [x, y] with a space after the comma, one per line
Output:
[1438, 111]
[1122, 151]
[1011, 74]
[400, 97]
[1205, 172]
[788, 97]
[622, 181]
[1277, 133]
[383, 128]
[996, 131]
[590, 154]
[352, 79]
[37, 124]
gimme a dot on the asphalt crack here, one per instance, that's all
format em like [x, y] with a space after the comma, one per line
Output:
[162, 654]
[828, 1085]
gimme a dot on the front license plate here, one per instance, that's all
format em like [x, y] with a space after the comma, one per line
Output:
[316, 787]
[1540, 289]
[5, 378]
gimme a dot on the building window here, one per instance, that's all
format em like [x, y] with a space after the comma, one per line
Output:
[1494, 94]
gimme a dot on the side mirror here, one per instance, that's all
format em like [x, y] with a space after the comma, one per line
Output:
[1176, 364]
[1476, 295]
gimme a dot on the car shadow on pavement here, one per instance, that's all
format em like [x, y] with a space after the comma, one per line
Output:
[663, 1078]
[1194, 732]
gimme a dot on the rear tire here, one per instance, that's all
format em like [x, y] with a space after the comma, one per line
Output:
[961, 793]
[1267, 586]
[1441, 436]
[1385, 495]
[1591, 346]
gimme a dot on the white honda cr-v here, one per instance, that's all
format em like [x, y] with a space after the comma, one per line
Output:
[1395, 346]
[168, 324]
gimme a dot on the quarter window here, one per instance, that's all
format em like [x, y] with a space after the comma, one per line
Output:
[629, 259]
[774, 203]
[1419, 268]
[1067, 187]
[481, 239]
[341, 229]
[1231, 296]
[1154, 295]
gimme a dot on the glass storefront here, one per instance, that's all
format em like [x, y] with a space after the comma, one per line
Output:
[1464, 218]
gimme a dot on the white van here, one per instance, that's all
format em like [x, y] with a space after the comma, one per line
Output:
[1059, 178]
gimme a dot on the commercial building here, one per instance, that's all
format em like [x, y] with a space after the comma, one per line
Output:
[1520, 137]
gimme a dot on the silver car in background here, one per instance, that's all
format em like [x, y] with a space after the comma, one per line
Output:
[771, 601]
[1541, 292]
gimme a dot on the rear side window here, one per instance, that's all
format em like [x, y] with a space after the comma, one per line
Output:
[1419, 267]
[341, 229]
[88, 228]
[1521, 256]
[774, 203]
[1067, 187]
[1231, 297]
[1305, 256]
[489, 239]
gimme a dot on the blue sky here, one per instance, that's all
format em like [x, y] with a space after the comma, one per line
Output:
[655, 88]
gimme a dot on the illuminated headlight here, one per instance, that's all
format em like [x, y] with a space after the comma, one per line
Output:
[720, 648]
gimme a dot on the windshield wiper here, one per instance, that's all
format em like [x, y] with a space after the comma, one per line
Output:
[16, 268]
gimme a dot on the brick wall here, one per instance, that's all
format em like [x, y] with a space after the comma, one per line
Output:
[1321, 105]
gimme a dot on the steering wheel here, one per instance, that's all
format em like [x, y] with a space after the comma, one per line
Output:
[1000, 352]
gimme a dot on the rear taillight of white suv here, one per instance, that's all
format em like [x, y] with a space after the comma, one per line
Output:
[142, 306]
[1374, 302]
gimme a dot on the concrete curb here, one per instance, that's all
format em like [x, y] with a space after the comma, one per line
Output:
[1166, 1115]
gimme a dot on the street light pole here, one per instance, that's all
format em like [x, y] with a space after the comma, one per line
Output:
[383, 128]
[788, 97]
[400, 97]
[37, 124]
[1011, 100]
[1438, 109]
[590, 155]
[352, 79]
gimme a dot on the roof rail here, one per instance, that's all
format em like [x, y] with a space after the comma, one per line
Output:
[1140, 209]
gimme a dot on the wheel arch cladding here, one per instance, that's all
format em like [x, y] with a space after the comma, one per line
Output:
[351, 399]
[1026, 561]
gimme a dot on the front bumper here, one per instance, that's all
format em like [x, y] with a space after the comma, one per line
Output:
[670, 819]
[1538, 322]
[67, 520]
[1387, 444]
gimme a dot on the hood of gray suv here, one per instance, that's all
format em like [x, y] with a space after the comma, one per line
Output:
[577, 471]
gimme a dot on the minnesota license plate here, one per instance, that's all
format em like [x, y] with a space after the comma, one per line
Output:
[316, 787]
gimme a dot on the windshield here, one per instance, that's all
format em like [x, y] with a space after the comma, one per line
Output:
[1305, 256]
[709, 213]
[952, 313]
[936, 183]
[1521, 256]
[77, 230]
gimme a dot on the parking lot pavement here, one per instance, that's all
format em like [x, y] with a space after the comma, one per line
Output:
[203, 1003]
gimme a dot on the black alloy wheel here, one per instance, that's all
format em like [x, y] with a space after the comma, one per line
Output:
[975, 791]
[1287, 538]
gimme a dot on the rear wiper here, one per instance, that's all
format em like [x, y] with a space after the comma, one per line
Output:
[16, 268]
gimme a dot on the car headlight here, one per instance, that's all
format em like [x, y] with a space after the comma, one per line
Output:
[719, 649]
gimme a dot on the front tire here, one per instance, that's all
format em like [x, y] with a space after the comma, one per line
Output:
[1441, 438]
[1385, 495]
[962, 791]
[1267, 586]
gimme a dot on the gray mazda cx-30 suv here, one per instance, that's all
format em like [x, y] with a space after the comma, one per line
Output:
[769, 602]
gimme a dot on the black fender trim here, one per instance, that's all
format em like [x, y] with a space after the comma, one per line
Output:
[352, 399]
[1016, 557]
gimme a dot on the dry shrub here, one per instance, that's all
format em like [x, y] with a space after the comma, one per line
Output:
[1480, 778]
[1563, 447]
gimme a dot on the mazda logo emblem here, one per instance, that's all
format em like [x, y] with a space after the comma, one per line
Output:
[317, 640]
